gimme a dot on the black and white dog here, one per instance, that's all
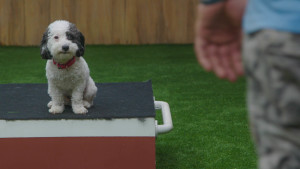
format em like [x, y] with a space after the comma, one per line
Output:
[69, 81]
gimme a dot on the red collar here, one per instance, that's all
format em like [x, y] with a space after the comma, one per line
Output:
[66, 65]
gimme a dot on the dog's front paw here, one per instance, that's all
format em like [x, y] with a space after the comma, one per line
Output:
[86, 104]
[56, 109]
[79, 110]
[50, 104]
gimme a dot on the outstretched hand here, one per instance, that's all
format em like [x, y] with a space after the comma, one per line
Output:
[218, 38]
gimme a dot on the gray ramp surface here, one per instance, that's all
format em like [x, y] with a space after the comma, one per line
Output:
[113, 100]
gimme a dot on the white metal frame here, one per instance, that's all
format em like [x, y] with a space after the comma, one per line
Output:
[167, 125]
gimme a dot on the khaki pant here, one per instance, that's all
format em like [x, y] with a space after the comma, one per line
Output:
[272, 67]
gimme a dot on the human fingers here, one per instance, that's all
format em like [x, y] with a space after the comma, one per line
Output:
[199, 43]
[224, 52]
[201, 54]
[236, 59]
[215, 60]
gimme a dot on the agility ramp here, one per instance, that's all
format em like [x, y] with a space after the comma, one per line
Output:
[118, 132]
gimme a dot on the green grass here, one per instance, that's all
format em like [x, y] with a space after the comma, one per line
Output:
[209, 115]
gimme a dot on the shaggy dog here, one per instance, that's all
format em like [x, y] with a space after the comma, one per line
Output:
[69, 81]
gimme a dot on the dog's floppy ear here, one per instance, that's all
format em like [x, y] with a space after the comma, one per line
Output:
[81, 45]
[45, 53]
[78, 39]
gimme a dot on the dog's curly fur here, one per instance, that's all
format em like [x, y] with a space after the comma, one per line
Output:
[73, 85]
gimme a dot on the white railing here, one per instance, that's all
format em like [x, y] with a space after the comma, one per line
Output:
[167, 125]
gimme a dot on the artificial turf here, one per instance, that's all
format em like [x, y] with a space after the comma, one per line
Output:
[209, 115]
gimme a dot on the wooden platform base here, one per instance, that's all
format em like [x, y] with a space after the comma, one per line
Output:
[118, 132]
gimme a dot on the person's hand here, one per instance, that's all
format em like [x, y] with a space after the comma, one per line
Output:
[218, 38]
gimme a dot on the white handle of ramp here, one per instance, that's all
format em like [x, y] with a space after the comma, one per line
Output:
[166, 116]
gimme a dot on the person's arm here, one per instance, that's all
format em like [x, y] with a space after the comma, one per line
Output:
[218, 37]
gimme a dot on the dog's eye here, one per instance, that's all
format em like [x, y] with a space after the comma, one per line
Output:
[56, 37]
[70, 36]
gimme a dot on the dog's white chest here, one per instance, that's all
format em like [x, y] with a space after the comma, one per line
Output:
[67, 78]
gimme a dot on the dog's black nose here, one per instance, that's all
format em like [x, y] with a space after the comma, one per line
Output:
[65, 48]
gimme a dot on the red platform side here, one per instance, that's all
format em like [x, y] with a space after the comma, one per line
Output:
[78, 153]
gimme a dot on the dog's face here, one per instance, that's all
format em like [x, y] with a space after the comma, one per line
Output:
[61, 41]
